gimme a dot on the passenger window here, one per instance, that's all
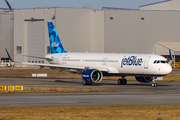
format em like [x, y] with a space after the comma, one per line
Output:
[155, 61]
[167, 61]
[158, 61]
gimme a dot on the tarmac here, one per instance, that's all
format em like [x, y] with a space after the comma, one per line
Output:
[132, 94]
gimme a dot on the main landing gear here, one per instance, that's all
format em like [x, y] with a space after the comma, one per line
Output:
[154, 84]
[122, 81]
[86, 83]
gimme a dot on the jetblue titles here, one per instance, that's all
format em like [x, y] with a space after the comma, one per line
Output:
[55, 44]
[131, 60]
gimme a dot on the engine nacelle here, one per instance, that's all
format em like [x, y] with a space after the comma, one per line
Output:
[92, 75]
[143, 79]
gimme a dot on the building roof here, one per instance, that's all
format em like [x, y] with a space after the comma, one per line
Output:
[155, 3]
[174, 46]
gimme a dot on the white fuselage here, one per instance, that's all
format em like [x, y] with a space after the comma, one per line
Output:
[117, 63]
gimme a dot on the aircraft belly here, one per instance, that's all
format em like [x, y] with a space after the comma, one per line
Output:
[132, 69]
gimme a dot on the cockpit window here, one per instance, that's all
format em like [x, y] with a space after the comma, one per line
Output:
[160, 61]
[155, 61]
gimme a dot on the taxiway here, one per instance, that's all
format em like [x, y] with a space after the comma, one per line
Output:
[134, 93]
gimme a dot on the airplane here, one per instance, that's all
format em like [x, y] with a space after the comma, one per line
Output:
[93, 66]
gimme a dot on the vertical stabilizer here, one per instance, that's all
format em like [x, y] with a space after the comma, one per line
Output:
[55, 43]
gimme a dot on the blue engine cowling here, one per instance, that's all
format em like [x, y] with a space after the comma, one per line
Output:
[92, 75]
[143, 79]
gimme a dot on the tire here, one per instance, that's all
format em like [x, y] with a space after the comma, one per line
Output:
[84, 82]
[89, 83]
[120, 82]
[154, 85]
[124, 81]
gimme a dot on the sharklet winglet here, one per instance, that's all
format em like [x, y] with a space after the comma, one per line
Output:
[171, 59]
[9, 55]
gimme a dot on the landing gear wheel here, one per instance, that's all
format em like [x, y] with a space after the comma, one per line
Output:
[120, 82]
[89, 84]
[124, 81]
[154, 85]
[84, 82]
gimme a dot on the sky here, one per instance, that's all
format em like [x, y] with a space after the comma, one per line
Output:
[93, 4]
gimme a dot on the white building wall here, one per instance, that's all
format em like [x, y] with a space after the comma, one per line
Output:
[118, 31]
[139, 31]
[165, 5]
[74, 28]
[20, 28]
[97, 31]
[6, 34]
[0, 38]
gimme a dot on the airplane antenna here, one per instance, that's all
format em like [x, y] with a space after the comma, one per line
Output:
[8, 5]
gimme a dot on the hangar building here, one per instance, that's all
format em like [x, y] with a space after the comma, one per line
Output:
[163, 5]
[107, 30]
[6, 35]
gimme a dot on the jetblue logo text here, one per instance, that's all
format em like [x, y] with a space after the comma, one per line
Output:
[131, 60]
[54, 44]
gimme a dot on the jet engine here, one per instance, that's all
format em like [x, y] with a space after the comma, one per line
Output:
[92, 75]
[143, 79]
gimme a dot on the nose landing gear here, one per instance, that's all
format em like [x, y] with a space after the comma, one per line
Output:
[154, 84]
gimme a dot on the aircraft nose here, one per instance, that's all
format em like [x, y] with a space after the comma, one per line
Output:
[168, 69]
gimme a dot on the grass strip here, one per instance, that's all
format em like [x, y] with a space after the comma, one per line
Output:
[58, 90]
[24, 73]
[162, 112]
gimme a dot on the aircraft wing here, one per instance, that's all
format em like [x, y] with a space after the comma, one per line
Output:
[103, 69]
[38, 57]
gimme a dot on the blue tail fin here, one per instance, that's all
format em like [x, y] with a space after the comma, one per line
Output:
[55, 43]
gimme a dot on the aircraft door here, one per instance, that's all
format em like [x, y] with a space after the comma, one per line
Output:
[146, 62]
[59, 59]
[104, 61]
